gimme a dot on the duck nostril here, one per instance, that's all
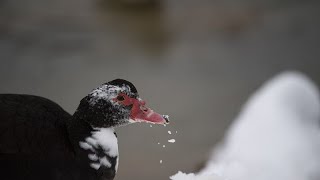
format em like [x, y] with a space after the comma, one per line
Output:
[144, 109]
[142, 103]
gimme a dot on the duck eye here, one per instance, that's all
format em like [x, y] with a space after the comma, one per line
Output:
[120, 98]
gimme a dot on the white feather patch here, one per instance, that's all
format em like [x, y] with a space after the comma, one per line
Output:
[106, 139]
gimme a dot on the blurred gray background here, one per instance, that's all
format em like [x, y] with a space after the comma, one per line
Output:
[197, 61]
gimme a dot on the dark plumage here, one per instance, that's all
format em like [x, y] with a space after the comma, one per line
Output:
[39, 140]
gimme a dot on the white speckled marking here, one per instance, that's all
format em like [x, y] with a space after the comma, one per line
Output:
[95, 165]
[85, 146]
[117, 165]
[104, 161]
[93, 157]
[91, 141]
[106, 139]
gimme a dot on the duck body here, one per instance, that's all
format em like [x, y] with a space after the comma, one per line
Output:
[35, 142]
[40, 140]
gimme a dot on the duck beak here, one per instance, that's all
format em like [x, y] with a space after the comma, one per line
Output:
[141, 113]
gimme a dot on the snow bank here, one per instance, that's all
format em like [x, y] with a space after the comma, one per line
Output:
[182, 176]
[276, 136]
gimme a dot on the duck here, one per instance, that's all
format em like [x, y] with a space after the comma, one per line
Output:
[40, 140]
[276, 135]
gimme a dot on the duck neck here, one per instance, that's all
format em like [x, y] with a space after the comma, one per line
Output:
[97, 146]
[78, 130]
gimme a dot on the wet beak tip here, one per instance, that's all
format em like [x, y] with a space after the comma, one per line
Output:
[166, 117]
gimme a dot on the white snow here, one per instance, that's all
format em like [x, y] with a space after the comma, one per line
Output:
[160, 161]
[163, 146]
[169, 132]
[171, 140]
[275, 137]
[107, 92]
[182, 176]
[166, 117]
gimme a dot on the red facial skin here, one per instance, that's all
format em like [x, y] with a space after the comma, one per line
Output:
[139, 112]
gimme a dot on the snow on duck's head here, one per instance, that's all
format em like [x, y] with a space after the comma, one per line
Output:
[117, 103]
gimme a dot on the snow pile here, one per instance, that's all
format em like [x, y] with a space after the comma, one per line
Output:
[276, 136]
[191, 176]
